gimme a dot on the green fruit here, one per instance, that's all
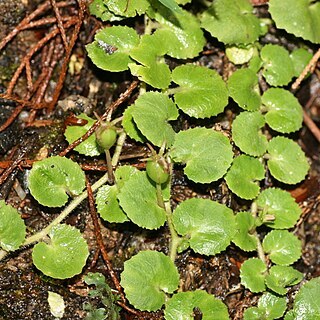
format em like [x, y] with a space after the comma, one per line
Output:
[157, 172]
[106, 136]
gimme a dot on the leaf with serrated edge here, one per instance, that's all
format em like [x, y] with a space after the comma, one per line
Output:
[206, 153]
[151, 114]
[130, 127]
[252, 274]
[243, 175]
[179, 33]
[287, 162]
[64, 256]
[208, 225]
[111, 48]
[128, 8]
[232, 22]
[244, 89]
[89, 147]
[245, 222]
[307, 301]
[284, 112]
[269, 307]
[201, 93]
[278, 68]
[12, 227]
[106, 199]
[138, 200]
[283, 247]
[302, 19]
[280, 205]
[52, 179]
[153, 272]
[280, 277]
[300, 58]
[239, 55]
[182, 304]
[247, 135]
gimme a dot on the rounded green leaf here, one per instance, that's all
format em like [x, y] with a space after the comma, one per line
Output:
[201, 93]
[208, 225]
[243, 237]
[206, 153]
[300, 58]
[306, 303]
[179, 33]
[269, 307]
[283, 247]
[252, 274]
[284, 112]
[128, 8]
[130, 127]
[239, 55]
[278, 68]
[287, 162]
[12, 227]
[51, 181]
[138, 199]
[89, 147]
[152, 112]
[151, 273]
[281, 208]
[302, 19]
[280, 277]
[247, 135]
[232, 22]
[64, 255]
[111, 48]
[243, 175]
[182, 304]
[244, 89]
[99, 9]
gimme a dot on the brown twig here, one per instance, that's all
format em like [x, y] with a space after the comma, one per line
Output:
[13, 115]
[100, 243]
[311, 125]
[60, 23]
[307, 69]
[93, 128]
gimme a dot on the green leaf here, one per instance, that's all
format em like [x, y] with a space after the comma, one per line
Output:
[306, 303]
[255, 64]
[243, 237]
[99, 9]
[51, 181]
[243, 175]
[280, 206]
[201, 93]
[207, 154]
[151, 114]
[64, 255]
[287, 162]
[89, 147]
[128, 8]
[283, 247]
[300, 58]
[252, 274]
[171, 4]
[138, 200]
[208, 225]
[269, 307]
[278, 68]
[130, 127]
[303, 19]
[106, 199]
[280, 277]
[179, 33]
[239, 55]
[153, 69]
[232, 22]
[12, 227]
[182, 304]
[151, 273]
[244, 89]
[56, 304]
[247, 135]
[111, 48]
[284, 112]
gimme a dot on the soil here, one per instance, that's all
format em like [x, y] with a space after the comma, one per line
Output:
[37, 133]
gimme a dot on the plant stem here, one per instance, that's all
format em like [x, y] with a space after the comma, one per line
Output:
[109, 167]
[118, 149]
[260, 250]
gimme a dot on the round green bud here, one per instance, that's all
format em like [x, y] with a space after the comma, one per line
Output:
[106, 136]
[157, 172]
